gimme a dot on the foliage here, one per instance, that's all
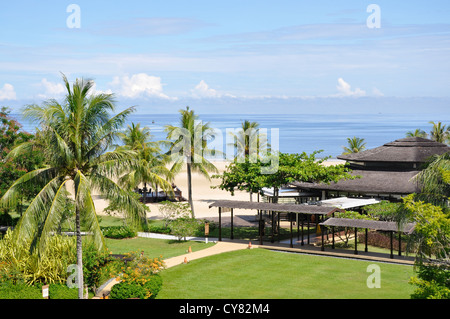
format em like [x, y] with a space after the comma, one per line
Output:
[290, 168]
[431, 239]
[119, 232]
[140, 279]
[75, 137]
[432, 230]
[127, 290]
[439, 132]
[385, 210]
[93, 262]
[47, 266]
[10, 290]
[173, 210]
[355, 145]
[189, 145]
[185, 226]
[434, 181]
[12, 169]
[417, 133]
[151, 162]
[432, 282]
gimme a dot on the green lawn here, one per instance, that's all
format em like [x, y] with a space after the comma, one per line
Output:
[262, 274]
[154, 247]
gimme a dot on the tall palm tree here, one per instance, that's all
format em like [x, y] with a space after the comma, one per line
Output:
[417, 133]
[189, 145]
[439, 132]
[151, 167]
[249, 142]
[75, 136]
[355, 145]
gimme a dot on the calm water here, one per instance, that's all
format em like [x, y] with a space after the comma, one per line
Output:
[298, 133]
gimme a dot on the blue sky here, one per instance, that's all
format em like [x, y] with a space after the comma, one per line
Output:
[231, 56]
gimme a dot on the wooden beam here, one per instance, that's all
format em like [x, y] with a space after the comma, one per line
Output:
[356, 241]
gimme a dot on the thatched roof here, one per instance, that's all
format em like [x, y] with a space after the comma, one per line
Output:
[276, 207]
[369, 224]
[375, 182]
[406, 150]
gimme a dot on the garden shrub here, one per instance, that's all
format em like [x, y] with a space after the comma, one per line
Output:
[184, 227]
[140, 279]
[9, 290]
[119, 232]
[61, 291]
[127, 290]
[154, 285]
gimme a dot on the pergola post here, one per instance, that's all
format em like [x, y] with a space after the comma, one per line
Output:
[392, 244]
[366, 246]
[273, 229]
[303, 217]
[261, 227]
[323, 246]
[356, 241]
[220, 223]
[309, 216]
[232, 230]
[290, 221]
[298, 226]
[399, 243]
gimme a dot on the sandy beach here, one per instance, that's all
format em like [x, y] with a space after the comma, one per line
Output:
[202, 194]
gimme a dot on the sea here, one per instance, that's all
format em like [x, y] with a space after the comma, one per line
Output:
[297, 133]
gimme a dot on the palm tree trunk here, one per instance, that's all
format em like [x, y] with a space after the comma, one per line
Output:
[79, 253]
[189, 180]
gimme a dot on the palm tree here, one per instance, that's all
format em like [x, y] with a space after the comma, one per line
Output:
[75, 136]
[355, 145]
[434, 180]
[189, 144]
[439, 133]
[249, 142]
[151, 162]
[417, 133]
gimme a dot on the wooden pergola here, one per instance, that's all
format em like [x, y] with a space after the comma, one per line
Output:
[291, 209]
[390, 227]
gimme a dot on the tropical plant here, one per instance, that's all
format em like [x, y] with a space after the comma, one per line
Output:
[75, 137]
[355, 145]
[249, 142]
[417, 133]
[189, 145]
[439, 132]
[151, 165]
[434, 180]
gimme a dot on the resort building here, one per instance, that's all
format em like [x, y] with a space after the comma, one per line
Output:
[385, 172]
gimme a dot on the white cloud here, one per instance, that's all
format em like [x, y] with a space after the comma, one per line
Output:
[346, 90]
[139, 85]
[203, 90]
[377, 92]
[7, 92]
[51, 90]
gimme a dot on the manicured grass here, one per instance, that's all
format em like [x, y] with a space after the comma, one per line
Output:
[154, 247]
[262, 274]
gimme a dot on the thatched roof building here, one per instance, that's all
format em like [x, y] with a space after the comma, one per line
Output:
[387, 171]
